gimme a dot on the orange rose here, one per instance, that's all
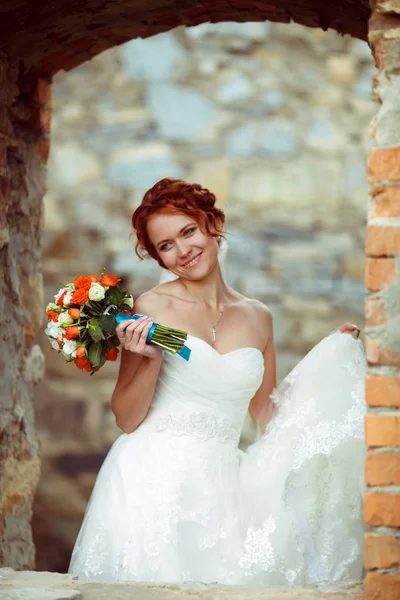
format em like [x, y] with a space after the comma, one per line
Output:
[80, 351]
[112, 353]
[94, 278]
[60, 301]
[53, 315]
[71, 332]
[84, 363]
[107, 279]
[74, 313]
[80, 296]
[83, 282]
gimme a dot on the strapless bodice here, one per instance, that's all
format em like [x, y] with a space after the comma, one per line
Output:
[209, 390]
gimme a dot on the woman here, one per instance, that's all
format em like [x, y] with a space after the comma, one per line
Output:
[176, 500]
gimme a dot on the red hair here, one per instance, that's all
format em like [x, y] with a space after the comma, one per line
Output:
[175, 196]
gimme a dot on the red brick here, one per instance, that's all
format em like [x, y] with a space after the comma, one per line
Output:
[61, 60]
[29, 334]
[382, 390]
[379, 22]
[381, 586]
[43, 119]
[43, 148]
[374, 312]
[382, 509]
[381, 551]
[379, 353]
[386, 199]
[381, 49]
[382, 241]
[43, 92]
[380, 273]
[382, 430]
[384, 164]
[382, 468]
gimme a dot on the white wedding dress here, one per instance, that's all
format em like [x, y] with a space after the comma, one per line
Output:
[177, 501]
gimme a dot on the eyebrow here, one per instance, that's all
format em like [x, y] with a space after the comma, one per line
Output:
[180, 231]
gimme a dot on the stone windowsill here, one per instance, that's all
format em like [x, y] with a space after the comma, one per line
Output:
[32, 585]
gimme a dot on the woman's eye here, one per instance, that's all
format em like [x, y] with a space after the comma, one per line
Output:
[190, 230]
[164, 247]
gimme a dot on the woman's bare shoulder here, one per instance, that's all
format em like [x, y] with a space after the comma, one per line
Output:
[256, 309]
[154, 301]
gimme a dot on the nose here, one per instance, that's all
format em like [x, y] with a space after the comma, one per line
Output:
[183, 249]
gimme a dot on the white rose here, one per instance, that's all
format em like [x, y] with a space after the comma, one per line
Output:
[69, 348]
[96, 292]
[53, 330]
[52, 306]
[65, 319]
[129, 301]
[54, 344]
[60, 293]
[67, 299]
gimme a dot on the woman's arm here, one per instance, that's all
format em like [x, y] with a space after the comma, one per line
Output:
[261, 408]
[130, 403]
[138, 373]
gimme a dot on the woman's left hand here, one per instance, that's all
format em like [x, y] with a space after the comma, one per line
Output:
[349, 328]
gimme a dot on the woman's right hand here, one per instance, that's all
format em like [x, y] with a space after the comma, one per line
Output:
[133, 335]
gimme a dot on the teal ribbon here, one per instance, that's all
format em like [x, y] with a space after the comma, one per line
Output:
[120, 317]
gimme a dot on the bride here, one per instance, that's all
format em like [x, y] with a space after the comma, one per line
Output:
[176, 500]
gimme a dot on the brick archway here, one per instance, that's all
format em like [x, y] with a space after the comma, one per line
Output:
[36, 42]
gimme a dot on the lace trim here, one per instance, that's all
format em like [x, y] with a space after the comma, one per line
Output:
[202, 426]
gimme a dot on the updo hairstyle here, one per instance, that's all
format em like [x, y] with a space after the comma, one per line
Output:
[170, 196]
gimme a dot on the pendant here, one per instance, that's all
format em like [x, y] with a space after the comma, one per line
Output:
[213, 331]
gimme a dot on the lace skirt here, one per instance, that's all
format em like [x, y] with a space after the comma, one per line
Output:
[177, 501]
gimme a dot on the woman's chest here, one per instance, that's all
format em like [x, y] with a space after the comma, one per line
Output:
[226, 331]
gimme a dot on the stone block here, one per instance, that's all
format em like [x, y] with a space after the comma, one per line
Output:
[181, 113]
[142, 167]
[342, 69]
[382, 468]
[70, 165]
[387, 7]
[157, 58]
[214, 175]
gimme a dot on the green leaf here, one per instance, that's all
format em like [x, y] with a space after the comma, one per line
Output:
[97, 355]
[125, 307]
[114, 295]
[95, 330]
[108, 323]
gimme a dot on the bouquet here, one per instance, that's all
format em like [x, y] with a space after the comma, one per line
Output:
[83, 318]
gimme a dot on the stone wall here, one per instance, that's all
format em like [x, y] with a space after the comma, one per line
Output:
[273, 119]
[23, 152]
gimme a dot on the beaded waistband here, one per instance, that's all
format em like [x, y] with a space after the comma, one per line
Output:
[201, 426]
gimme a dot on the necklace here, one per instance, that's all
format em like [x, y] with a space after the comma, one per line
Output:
[214, 326]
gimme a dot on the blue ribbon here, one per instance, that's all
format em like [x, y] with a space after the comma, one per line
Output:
[120, 317]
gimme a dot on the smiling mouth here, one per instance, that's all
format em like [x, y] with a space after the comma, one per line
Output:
[193, 261]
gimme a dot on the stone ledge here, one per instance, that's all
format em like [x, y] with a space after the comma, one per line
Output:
[32, 585]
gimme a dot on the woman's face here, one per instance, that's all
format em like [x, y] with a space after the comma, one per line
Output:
[182, 246]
